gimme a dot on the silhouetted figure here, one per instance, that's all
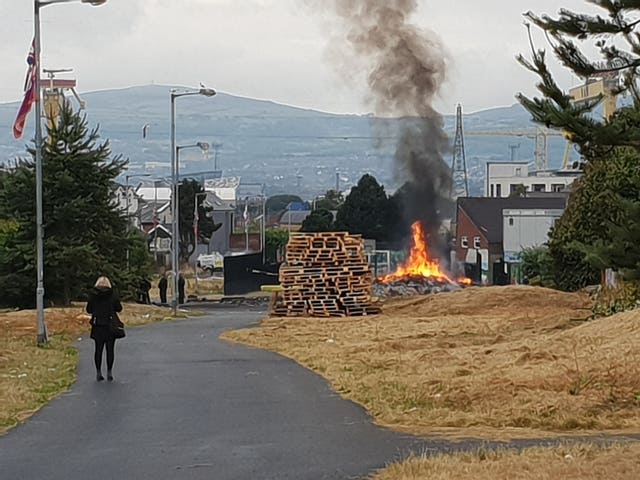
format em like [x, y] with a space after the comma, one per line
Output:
[162, 286]
[143, 291]
[180, 289]
[103, 305]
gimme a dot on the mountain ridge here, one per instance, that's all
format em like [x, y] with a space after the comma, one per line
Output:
[290, 149]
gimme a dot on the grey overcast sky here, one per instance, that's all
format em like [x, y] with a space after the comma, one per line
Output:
[268, 49]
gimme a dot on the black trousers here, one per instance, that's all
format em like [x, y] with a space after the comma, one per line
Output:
[101, 342]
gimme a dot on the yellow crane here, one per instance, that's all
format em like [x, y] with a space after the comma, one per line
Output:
[594, 88]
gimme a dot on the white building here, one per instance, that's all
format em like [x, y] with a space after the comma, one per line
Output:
[525, 228]
[505, 178]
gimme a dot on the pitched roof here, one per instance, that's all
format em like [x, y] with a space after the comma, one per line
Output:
[486, 213]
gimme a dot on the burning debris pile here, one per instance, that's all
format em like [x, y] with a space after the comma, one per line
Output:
[420, 275]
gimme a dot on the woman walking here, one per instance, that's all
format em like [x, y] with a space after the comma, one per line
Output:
[103, 306]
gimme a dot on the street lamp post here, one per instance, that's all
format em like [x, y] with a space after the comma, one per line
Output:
[175, 173]
[42, 337]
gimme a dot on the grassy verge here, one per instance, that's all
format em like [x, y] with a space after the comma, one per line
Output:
[495, 362]
[584, 462]
[32, 376]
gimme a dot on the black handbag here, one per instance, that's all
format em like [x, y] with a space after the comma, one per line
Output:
[117, 327]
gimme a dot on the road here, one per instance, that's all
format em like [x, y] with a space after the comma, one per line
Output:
[186, 405]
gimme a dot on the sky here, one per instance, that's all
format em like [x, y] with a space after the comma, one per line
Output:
[267, 49]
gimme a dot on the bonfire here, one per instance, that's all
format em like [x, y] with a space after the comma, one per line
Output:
[420, 274]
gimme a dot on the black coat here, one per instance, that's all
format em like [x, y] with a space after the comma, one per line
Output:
[102, 304]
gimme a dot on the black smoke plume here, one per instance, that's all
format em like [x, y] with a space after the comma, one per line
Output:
[405, 67]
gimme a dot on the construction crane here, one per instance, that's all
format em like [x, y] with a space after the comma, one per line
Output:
[53, 91]
[593, 89]
[539, 134]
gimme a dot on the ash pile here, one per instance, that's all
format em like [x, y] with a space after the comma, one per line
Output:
[412, 285]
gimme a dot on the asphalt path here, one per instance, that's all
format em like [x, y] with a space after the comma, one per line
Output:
[186, 405]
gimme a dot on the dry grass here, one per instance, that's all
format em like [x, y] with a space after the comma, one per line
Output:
[583, 462]
[487, 362]
[31, 376]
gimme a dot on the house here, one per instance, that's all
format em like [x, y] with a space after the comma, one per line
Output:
[480, 227]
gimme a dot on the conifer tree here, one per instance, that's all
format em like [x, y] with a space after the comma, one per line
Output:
[614, 34]
[319, 220]
[84, 230]
[365, 210]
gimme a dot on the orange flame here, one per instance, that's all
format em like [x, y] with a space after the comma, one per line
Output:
[419, 263]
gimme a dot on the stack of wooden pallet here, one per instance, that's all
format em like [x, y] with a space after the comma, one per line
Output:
[324, 275]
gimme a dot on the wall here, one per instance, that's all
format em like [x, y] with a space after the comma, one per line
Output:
[525, 228]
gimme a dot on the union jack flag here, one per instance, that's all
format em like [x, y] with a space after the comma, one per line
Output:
[30, 92]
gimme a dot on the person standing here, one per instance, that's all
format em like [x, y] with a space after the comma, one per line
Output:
[180, 289]
[162, 287]
[103, 305]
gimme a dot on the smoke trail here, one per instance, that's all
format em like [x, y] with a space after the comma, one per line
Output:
[405, 68]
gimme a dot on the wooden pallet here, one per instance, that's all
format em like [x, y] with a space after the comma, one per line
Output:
[325, 274]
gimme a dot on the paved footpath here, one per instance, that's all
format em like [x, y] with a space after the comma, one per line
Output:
[186, 405]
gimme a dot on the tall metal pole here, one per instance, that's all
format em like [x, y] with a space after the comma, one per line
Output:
[174, 207]
[42, 337]
[126, 194]
[175, 176]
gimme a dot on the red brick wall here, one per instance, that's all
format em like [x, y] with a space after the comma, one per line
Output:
[465, 227]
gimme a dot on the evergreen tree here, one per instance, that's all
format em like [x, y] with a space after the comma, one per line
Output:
[621, 249]
[84, 231]
[594, 203]
[319, 220]
[331, 200]
[365, 210]
[615, 36]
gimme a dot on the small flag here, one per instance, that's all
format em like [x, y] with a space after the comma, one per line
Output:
[245, 215]
[145, 130]
[30, 92]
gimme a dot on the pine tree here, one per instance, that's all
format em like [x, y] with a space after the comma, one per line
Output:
[84, 230]
[319, 220]
[621, 249]
[615, 37]
[365, 210]
[595, 202]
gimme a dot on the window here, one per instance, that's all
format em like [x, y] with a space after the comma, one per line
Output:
[464, 242]
[538, 187]
[557, 187]
[498, 190]
[511, 222]
[476, 242]
[492, 190]
[518, 171]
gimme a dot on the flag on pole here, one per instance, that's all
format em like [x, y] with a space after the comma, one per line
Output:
[245, 214]
[30, 92]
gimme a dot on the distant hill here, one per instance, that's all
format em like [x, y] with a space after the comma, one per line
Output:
[290, 149]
